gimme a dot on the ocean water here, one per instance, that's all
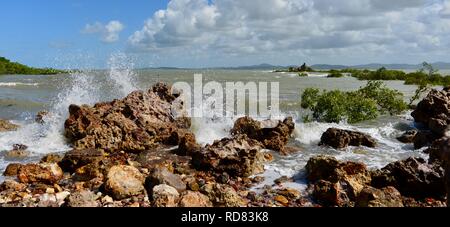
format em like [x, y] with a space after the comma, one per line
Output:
[21, 97]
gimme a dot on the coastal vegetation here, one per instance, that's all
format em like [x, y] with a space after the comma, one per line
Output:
[367, 103]
[335, 74]
[426, 75]
[8, 67]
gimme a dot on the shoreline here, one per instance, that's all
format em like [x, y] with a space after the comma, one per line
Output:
[186, 176]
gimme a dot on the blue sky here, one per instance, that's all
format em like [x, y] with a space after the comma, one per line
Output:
[46, 32]
[203, 33]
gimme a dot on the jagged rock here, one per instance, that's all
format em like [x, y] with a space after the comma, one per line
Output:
[82, 198]
[434, 111]
[41, 116]
[238, 156]
[47, 173]
[440, 155]
[339, 138]
[188, 145]
[424, 138]
[413, 177]
[136, 123]
[7, 126]
[12, 185]
[408, 136]
[163, 176]
[194, 199]
[12, 169]
[272, 134]
[89, 172]
[385, 197]
[223, 195]
[51, 158]
[124, 181]
[18, 152]
[338, 183]
[165, 196]
[331, 194]
[75, 159]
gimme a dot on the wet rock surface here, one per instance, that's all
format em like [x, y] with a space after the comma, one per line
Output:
[7, 126]
[339, 138]
[413, 177]
[272, 134]
[238, 156]
[136, 123]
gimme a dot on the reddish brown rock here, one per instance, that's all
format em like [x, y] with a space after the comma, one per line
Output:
[136, 123]
[7, 126]
[12, 169]
[194, 199]
[238, 156]
[339, 138]
[77, 158]
[413, 177]
[47, 173]
[385, 197]
[124, 181]
[336, 183]
[434, 111]
[272, 134]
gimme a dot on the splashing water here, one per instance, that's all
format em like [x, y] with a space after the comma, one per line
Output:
[121, 73]
[76, 88]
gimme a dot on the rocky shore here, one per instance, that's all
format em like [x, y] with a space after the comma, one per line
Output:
[139, 152]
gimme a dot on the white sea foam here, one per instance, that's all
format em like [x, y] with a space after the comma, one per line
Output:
[14, 84]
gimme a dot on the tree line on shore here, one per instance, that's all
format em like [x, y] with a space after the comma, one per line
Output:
[8, 67]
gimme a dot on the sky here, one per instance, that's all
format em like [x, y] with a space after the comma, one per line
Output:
[209, 33]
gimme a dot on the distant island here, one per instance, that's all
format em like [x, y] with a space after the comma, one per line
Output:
[13, 68]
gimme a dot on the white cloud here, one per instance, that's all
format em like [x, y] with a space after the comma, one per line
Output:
[109, 33]
[312, 28]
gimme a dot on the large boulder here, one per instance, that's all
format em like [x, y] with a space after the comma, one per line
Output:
[136, 123]
[7, 126]
[385, 197]
[434, 111]
[273, 135]
[336, 183]
[47, 173]
[413, 177]
[339, 138]
[238, 156]
[124, 181]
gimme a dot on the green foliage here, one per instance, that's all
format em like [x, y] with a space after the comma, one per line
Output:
[388, 100]
[426, 75]
[364, 104]
[335, 74]
[8, 67]
[302, 74]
